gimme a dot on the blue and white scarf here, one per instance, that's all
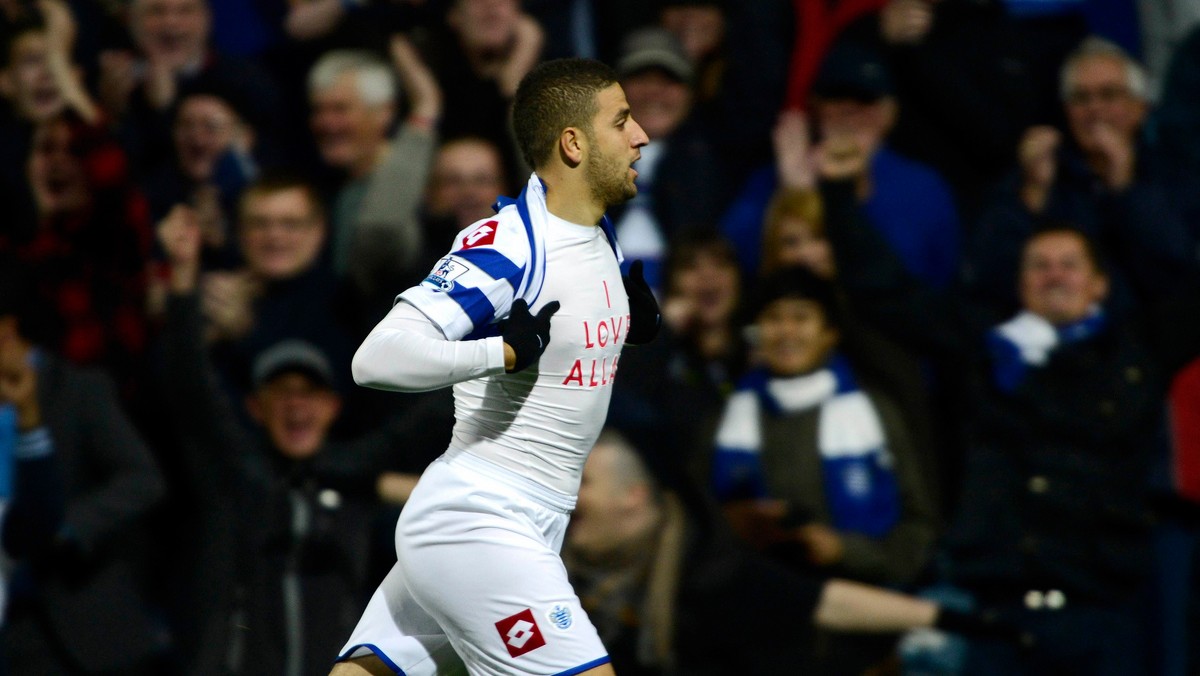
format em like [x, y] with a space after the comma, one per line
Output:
[861, 489]
[1026, 342]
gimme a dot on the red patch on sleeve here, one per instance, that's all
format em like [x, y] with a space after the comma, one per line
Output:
[483, 234]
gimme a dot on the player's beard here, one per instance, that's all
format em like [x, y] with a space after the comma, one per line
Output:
[608, 178]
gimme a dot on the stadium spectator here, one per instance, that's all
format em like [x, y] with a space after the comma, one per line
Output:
[813, 463]
[172, 40]
[907, 201]
[660, 578]
[676, 386]
[78, 602]
[478, 55]
[31, 482]
[376, 233]
[88, 243]
[794, 234]
[284, 561]
[680, 184]
[38, 81]
[1065, 405]
[467, 177]
[283, 290]
[116, 114]
[212, 163]
[1102, 176]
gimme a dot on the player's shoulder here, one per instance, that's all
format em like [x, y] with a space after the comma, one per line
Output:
[503, 233]
[489, 250]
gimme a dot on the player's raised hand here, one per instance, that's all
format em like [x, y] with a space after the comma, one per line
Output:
[526, 335]
[644, 316]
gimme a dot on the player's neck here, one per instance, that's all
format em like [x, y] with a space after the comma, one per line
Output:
[569, 198]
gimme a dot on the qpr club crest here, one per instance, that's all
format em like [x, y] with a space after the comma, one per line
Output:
[448, 269]
[560, 616]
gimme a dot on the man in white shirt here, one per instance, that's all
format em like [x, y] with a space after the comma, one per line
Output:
[479, 583]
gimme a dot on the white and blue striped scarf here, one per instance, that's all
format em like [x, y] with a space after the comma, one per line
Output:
[1026, 342]
[861, 489]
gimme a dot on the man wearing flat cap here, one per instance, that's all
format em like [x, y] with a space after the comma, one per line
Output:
[680, 182]
[276, 574]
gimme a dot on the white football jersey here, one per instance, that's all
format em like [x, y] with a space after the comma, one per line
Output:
[541, 422]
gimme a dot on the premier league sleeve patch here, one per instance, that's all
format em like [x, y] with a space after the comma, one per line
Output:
[447, 270]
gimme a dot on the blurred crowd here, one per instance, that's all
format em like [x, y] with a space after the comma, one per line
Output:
[929, 280]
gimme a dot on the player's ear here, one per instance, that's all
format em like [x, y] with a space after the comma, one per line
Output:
[571, 146]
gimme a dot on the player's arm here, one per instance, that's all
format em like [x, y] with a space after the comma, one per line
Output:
[407, 352]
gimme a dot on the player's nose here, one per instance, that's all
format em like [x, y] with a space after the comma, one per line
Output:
[638, 137]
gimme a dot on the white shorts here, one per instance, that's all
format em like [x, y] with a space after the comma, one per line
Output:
[478, 586]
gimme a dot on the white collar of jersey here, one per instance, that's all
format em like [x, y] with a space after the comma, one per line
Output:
[531, 205]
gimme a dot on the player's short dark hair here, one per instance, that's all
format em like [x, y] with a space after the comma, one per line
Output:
[555, 95]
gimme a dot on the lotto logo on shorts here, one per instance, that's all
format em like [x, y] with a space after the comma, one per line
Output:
[520, 633]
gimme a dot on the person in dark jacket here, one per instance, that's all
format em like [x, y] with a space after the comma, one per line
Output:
[77, 603]
[173, 50]
[1102, 175]
[31, 485]
[1065, 405]
[282, 565]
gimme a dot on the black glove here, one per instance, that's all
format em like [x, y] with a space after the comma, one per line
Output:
[984, 624]
[644, 317]
[526, 334]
